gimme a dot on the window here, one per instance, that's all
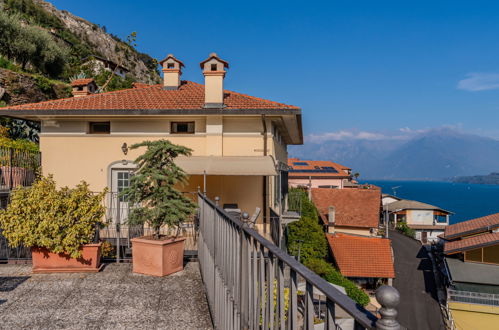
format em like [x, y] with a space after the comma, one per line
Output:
[182, 127]
[171, 65]
[99, 127]
[213, 67]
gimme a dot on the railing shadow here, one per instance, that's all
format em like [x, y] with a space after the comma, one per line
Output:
[10, 283]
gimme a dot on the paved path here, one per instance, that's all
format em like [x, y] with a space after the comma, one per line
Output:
[418, 309]
[115, 298]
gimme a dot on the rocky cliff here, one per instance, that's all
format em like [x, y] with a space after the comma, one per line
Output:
[142, 67]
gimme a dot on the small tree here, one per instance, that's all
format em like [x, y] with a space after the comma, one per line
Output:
[152, 187]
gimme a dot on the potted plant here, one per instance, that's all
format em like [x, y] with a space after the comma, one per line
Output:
[58, 225]
[158, 204]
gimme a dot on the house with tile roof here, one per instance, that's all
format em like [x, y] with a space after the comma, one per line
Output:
[351, 211]
[471, 250]
[239, 142]
[317, 174]
[366, 260]
[427, 221]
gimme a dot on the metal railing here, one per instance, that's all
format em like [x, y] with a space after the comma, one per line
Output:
[18, 167]
[473, 297]
[252, 284]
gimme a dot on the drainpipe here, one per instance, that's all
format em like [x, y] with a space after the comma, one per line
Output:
[265, 178]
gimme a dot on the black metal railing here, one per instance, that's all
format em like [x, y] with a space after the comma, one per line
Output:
[252, 284]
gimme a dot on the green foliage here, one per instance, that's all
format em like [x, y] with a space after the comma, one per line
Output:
[32, 12]
[30, 45]
[6, 64]
[152, 187]
[61, 220]
[330, 274]
[19, 129]
[307, 230]
[404, 229]
[116, 82]
[19, 144]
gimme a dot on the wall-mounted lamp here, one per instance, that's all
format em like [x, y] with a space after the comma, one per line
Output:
[124, 148]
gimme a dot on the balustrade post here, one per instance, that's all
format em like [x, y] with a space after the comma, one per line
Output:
[389, 298]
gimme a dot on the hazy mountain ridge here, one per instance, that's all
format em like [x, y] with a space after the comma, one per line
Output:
[433, 155]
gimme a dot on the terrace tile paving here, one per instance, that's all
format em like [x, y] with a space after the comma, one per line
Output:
[114, 298]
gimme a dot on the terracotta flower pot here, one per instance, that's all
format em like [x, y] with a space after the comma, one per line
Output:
[157, 257]
[45, 261]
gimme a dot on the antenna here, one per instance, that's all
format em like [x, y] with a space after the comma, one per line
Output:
[394, 189]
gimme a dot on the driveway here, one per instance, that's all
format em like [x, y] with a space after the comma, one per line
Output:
[418, 308]
[115, 298]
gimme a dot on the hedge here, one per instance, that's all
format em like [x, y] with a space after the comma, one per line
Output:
[330, 274]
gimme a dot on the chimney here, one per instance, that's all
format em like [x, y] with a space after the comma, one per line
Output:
[172, 70]
[214, 74]
[331, 214]
[83, 87]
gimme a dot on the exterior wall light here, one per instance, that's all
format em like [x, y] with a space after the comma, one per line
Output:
[124, 148]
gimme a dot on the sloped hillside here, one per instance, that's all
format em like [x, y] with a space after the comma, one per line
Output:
[37, 38]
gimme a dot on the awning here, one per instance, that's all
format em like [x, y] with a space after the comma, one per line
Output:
[227, 165]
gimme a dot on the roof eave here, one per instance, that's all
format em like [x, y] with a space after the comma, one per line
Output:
[152, 112]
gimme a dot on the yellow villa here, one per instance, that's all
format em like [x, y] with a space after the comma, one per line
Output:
[239, 142]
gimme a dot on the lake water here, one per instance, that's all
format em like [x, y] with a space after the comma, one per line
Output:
[466, 201]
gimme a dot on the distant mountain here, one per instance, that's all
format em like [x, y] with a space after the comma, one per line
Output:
[433, 155]
[492, 178]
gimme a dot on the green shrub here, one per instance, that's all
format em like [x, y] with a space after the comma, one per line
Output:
[61, 220]
[307, 230]
[330, 274]
[404, 229]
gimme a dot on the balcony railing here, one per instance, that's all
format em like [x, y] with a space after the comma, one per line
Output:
[252, 284]
[18, 167]
[473, 297]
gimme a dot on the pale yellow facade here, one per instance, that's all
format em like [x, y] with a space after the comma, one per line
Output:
[474, 316]
[72, 154]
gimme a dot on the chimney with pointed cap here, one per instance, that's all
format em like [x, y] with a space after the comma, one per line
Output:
[172, 70]
[214, 74]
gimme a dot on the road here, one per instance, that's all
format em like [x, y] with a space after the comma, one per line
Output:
[418, 308]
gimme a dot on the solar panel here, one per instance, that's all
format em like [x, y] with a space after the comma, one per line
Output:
[300, 164]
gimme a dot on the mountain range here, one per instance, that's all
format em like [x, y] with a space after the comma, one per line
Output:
[437, 154]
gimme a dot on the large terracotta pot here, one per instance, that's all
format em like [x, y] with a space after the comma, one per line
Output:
[45, 261]
[157, 257]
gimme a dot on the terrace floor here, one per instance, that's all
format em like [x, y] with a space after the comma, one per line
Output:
[115, 298]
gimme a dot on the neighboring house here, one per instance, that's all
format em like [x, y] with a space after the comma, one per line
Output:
[426, 220]
[239, 142]
[317, 174]
[350, 211]
[366, 260]
[98, 64]
[388, 199]
[472, 265]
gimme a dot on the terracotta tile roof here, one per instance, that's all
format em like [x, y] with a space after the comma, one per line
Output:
[140, 85]
[190, 95]
[471, 243]
[317, 166]
[362, 256]
[82, 82]
[469, 227]
[353, 207]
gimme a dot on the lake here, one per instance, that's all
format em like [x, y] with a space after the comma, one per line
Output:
[466, 201]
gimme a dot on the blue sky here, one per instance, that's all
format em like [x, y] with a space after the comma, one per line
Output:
[353, 66]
